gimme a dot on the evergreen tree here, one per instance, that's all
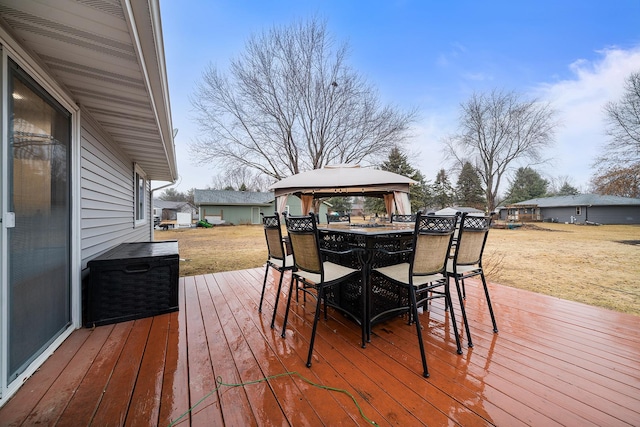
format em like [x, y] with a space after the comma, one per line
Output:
[527, 184]
[469, 191]
[419, 194]
[172, 195]
[443, 193]
[567, 190]
[340, 204]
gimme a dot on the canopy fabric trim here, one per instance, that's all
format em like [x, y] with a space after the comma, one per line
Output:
[306, 202]
[347, 180]
[388, 203]
[282, 204]
[403, 205]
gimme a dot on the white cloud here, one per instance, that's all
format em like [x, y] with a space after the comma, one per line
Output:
[580, 101]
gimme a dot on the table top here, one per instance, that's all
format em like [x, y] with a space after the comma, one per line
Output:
[369, 229]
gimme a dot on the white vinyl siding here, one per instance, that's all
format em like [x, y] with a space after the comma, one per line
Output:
[107, 195]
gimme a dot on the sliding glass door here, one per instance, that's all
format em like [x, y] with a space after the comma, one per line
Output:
[38, 225]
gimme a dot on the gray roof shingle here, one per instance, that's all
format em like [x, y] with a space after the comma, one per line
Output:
[225, 197]
[581, 200]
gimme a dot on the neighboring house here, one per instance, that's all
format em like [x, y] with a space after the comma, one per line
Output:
[581, 208]
[168, 211]
[242, 207]
[86, 125]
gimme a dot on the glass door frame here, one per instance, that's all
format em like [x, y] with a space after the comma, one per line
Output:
[10, 48]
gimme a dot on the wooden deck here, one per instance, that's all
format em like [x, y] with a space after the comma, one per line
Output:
[553, 362]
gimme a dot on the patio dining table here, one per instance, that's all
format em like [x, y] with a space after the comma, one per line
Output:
[380, 295]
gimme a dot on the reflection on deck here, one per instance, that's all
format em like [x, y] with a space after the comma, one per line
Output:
[554, 362]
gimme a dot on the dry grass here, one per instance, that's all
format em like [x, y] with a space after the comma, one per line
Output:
[579, 263]
[575, 262]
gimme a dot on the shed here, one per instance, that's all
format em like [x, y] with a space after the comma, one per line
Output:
[580, 208]
[166, 210]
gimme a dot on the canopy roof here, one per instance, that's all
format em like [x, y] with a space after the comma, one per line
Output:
[339, 180]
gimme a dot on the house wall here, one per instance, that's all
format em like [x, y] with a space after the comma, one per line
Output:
[562, 214]
[107, 199]
[295, 208]
[236, 215]
[613, 214]
[598, 214]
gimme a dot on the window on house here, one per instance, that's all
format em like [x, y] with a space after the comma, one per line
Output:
[578, 210]
[140, 196]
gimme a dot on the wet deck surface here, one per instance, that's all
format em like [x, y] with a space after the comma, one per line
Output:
[554, 362]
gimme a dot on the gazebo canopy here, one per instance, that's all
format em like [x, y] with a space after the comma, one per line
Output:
[347, 180]
[338, 180]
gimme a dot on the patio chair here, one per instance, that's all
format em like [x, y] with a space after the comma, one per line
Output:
[424, 276]
[466, 261]
[403, 218]
[277, 257]
[314, 272]
[342, 218]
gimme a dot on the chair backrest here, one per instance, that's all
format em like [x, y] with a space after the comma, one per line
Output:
[403, 218]
[431, 243]
[273, 234]
[471, 239]
[303, 235]
[338, 218]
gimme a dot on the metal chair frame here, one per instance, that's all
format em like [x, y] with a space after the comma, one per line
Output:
[403, 218]
[344, 218]
[466, 261]
[314, 273]
[277, 257]
[424, 276]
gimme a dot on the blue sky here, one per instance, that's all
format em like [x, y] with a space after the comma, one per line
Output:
[432, 55]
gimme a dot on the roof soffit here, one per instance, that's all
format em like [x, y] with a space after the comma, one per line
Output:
[108, 55]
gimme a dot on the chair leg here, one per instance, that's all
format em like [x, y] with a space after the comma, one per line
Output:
[414, 310]
[324, 302]
[286, 313]
[447, 299]
[264, 284]
[464, 312]
[315, 325]
[464, 291]
[364, 323]
[486, 294]
[275, 306]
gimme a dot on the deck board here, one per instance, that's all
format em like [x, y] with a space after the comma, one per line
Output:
[554, 362]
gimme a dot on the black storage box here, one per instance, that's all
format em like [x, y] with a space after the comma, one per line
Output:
[131, 281]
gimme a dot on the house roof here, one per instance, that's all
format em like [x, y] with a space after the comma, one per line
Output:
[580, 200]
[109, 56]
[225, 197]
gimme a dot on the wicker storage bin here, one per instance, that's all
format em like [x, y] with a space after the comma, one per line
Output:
[131, 281]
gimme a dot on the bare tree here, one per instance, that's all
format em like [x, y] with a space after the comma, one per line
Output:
[618, 167]
[498, 129]
[291, 103]
[562, 186]
[240, 178]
